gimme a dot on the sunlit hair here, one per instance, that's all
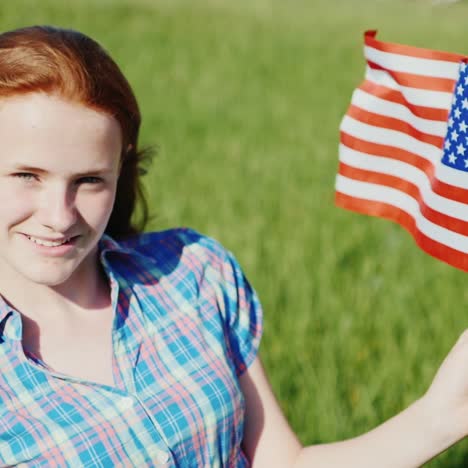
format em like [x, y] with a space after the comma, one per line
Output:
[71, 65]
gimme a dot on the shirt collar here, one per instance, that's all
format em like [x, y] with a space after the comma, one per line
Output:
[5, 309]
[107, 245]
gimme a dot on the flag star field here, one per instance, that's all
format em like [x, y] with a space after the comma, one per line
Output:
[456, 141]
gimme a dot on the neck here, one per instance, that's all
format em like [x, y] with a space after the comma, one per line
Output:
[86, 290]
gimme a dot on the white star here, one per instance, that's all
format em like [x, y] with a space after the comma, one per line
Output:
[463, 66]
[466, 80]
[450, 122]
[452, 158]
[457, 113]
[463, 126]
[466, 162]
[460, 149]
[454, 135]
[460, 89]
[465, 103]
[447, 144]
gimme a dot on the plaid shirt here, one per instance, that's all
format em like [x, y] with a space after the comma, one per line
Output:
[187, 325]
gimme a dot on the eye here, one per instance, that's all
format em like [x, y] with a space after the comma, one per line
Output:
[89, 180]
[27, 176]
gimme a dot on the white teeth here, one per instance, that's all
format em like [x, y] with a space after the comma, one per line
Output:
[47, 243]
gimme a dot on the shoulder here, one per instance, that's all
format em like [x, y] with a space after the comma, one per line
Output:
[175, 239]
[182, 246]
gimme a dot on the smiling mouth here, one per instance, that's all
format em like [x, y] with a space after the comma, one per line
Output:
[48, 243]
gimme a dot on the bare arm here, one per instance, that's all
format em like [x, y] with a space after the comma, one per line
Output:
[427, 427]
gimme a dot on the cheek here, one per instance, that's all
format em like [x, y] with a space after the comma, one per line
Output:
[95, 209]
[20, 205]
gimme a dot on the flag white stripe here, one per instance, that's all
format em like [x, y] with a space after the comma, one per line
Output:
[406, 172]
[415, 96]
[407, 64]
[371, 103]
[384, 136]
[401, 200]
[451, 176]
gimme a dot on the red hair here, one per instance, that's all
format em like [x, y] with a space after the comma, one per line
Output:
[73, 66]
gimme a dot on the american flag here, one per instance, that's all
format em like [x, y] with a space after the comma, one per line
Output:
[404, 146]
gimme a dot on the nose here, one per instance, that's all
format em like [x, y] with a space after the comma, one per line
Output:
[57, 210]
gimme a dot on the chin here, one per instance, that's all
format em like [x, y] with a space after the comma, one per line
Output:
[48, 274]
[45, 271]
[48, 278]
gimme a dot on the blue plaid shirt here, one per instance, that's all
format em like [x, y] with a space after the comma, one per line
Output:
[187, 325]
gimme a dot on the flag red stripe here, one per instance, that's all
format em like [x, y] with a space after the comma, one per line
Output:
[374, 149]
[393, 95]
[450, 191]
[436, 217]
[417, 81]
[436, 249]
[417, 52]
[391, 123]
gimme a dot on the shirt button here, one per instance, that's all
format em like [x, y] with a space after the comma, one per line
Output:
[125, 403]
[160, 455]
[163, 457]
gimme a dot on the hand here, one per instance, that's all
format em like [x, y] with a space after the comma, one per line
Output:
[447, 397]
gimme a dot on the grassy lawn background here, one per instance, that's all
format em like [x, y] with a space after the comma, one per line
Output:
[243, 100]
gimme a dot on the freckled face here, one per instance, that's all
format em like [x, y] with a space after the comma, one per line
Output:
[59, 166]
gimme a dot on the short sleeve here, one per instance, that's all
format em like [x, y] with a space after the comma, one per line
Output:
[227, 304]
[242, 314]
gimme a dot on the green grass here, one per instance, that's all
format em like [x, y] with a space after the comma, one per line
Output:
[244, 100]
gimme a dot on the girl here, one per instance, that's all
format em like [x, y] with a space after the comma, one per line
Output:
[119, 348]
